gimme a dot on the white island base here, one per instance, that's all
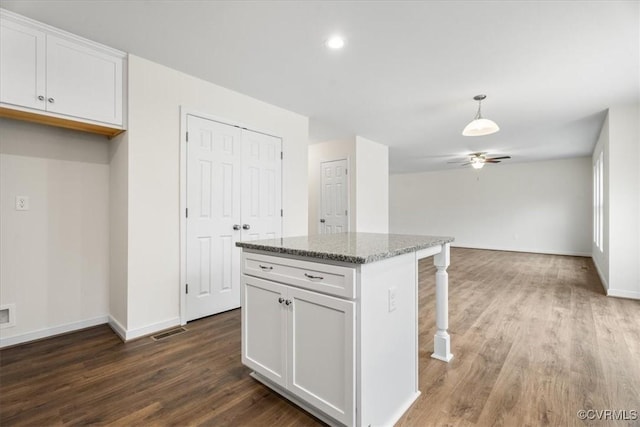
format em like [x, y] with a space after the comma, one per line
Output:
[339, 339]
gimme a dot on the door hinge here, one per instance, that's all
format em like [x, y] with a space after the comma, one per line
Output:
[187, 288]
[187, 136]
[186, 212]
[281, 156]
[346, 171]
[345, 212]
[281, 212]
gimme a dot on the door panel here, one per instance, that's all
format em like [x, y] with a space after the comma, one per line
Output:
[264, 328]
[262, 186]
[321, 368]
[334, 215]
[22, 65]
[213, 199]
[83, 82]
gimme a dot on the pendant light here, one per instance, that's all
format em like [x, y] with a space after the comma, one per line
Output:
[480, 126]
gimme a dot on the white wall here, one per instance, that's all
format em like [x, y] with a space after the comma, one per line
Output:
[118, 232]
[372, 177]
[324, 152]
[534, 207]
[601, 257]
[155, 96]
[368, 164]
[54, 258]
[624, 201]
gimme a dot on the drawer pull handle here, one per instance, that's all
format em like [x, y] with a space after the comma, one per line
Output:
[265, 267]
[280, 300]
[310, 277]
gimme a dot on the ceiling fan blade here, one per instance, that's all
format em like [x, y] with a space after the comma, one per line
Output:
[491, 161]
[499, 158]
[466, 164]
[458, 161]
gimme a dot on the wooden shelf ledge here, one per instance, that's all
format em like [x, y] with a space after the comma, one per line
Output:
[59, 122]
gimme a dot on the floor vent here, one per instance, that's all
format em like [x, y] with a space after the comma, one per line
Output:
[169, 333]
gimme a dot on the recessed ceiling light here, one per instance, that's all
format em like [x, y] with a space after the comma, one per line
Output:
[335, 42]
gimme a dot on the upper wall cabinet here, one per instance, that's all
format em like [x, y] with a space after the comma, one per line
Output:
[53, 77]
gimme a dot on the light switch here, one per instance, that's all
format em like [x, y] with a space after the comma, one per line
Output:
[22, 203]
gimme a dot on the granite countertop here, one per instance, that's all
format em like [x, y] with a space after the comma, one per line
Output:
[356, 248]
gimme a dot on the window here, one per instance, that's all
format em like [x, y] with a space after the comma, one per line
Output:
[598, 201]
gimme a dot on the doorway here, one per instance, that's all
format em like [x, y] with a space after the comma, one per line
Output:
[232, 192]
[334, 197]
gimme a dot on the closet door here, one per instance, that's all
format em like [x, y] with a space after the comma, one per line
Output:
[261, 186]
[214, 158]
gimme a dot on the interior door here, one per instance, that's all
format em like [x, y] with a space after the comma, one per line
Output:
[214, 153]
[261, 186]
[334, 215]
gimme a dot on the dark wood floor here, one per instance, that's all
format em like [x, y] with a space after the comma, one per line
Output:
[534, 339]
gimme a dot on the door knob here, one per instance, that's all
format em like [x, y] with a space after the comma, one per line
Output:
[236, 226]
[246, 226]
[322, 220]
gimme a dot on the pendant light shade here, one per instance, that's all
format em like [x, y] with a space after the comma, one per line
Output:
[480, 126]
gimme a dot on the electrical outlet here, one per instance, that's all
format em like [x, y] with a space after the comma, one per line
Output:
[22, 203]
[392, 299]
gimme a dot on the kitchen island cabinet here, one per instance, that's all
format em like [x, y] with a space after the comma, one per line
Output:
[331, 321]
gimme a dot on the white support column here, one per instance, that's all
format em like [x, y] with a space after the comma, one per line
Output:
[441, 340]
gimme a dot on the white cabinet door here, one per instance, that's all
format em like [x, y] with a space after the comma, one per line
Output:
[83, 82]
[22, 65]
[264, 323]
[213, 198]
[321, 356]
[261, 186]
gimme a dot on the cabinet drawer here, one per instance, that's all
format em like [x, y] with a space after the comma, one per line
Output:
[325, 278]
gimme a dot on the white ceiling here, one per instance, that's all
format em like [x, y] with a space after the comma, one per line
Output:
[409, 71]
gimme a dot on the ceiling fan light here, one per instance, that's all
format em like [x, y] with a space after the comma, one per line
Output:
[477, 165]
[480, 127]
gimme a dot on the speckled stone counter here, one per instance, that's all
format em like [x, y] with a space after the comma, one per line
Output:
[356, 248]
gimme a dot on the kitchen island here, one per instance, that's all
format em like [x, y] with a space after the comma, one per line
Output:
[331, 321]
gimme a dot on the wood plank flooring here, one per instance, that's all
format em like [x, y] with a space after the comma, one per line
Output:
[533, 336]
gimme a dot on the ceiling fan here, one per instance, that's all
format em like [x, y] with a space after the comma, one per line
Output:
[477, 160]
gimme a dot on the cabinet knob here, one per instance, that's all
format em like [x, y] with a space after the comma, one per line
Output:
[287, 302]
[236, 226]
[40, 98]
[322, 220]
[246, 226]
[51, 100]
[280, 300]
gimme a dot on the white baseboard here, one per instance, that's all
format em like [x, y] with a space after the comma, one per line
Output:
[117, 327]
[621, 293]
[49, 332]
[603, 280]
[151, 329]
[527, 250]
